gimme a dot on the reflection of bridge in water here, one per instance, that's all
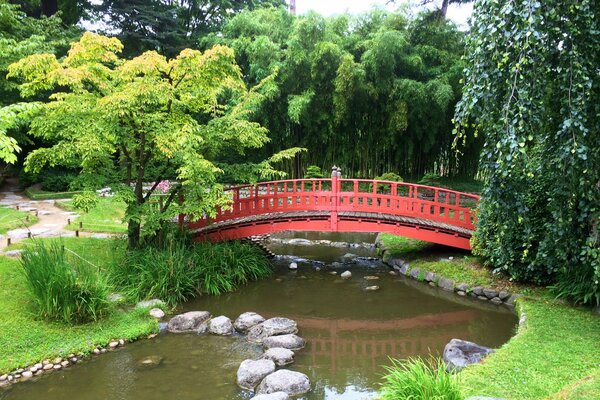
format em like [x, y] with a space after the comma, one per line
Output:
[358, 341]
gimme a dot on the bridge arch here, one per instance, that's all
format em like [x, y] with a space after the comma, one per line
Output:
[428, 213]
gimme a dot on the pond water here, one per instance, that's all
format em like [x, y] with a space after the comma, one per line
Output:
[350, 333]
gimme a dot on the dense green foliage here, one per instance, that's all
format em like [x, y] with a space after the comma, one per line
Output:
[418, 379]
[110, 116]
[21, 36]
[178, 272]
[169, 26]
[27, 339]
[532, 86]
[65, 289]
[370, 93]
[85, 201]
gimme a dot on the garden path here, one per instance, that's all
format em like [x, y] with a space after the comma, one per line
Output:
[52, 220]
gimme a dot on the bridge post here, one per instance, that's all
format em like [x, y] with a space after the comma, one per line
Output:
[336, 173]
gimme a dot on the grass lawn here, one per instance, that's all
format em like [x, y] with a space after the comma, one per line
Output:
[555, 355]
[13, 219]
[106, 217]
[459, 265]
[26, 339]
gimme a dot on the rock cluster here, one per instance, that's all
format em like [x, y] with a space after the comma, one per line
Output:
[276, 335]
[278, 338]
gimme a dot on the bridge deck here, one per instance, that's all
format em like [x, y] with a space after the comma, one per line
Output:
[326, 215]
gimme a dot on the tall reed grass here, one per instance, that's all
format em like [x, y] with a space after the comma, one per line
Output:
[418, 379]
[179, 271]
[64, 288]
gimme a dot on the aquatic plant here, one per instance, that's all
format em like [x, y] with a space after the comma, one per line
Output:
[418, 379]
[179, 271]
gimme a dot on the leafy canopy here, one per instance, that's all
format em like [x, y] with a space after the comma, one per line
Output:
[107, 113]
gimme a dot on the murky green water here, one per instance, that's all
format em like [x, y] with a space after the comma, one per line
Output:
[350, 334]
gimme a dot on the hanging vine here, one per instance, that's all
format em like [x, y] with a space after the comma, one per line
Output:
[532, 91]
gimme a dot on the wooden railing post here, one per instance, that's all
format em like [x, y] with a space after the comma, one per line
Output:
[335, 174]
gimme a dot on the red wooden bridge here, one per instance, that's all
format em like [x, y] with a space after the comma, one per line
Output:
[421, 212]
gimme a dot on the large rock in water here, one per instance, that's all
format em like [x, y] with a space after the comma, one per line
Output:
[279, 356]
[272, 327]
[290, 382]
[460, 353]
[220, 325]
[188, 322]
[290, 342]
[246, 321]
[251, 372]
[272, 396]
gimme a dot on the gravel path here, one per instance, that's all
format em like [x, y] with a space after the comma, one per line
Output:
[52, 220]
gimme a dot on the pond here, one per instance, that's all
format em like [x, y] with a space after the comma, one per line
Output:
[350, 332]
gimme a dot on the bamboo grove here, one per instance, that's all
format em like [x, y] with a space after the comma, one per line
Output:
[373, 93]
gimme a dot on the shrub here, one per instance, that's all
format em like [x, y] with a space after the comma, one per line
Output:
[313, 172]
[85, 201]
[178, 271]
[27, 179]
[417, 379]
[430, 179]
[67, 290]
[57, 180]
[390, 176]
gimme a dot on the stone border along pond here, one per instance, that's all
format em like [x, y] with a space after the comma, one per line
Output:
[276, 335]
[433, 279]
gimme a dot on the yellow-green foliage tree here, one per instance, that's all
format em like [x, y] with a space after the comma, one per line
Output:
[105, 112]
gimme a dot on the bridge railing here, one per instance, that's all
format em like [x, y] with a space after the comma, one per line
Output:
[356, 195]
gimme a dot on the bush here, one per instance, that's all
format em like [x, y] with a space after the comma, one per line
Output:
[178, 271]
[27, 179]
[313, 172]
[85, 201]
[417, 379]
[67, 290]
[57, 180]
[431, 179]
[390, 176]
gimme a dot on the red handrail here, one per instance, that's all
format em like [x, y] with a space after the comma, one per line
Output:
[357, 195]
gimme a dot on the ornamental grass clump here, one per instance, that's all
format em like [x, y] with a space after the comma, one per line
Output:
[180, 271]
[167, 273]
[65, 289]
[418, 379]
[225, 266]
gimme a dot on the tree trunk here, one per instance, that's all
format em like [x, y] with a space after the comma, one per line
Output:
[49, 7]
[133, 234]
[444, 8]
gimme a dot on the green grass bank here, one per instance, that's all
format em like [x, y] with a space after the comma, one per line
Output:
[11, 218]
[26, 339]
[106, 217]
[554, 355]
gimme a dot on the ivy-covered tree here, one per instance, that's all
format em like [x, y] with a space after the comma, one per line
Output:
[108, 113]
[531, 90]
